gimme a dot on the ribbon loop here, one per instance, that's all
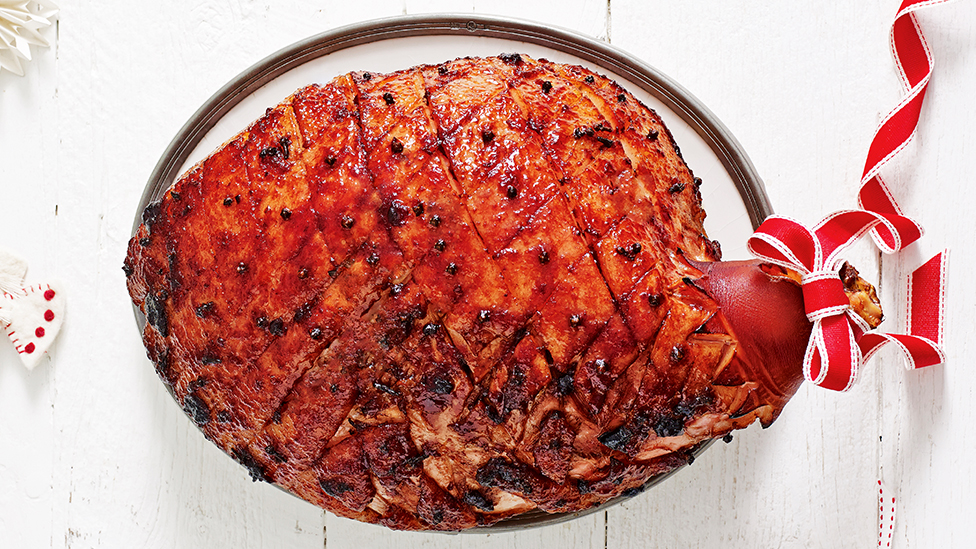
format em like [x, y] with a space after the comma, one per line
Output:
[787, 243]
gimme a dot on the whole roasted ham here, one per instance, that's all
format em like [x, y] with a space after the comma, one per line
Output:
[445, 296]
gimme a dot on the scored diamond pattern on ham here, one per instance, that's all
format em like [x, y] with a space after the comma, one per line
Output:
[441, 297]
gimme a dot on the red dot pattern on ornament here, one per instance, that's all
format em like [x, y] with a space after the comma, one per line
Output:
[39, 332]
[29, 348]
[49, 295]
[49, 315]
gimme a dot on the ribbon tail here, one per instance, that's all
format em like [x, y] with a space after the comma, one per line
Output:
[813, 368]
[836, 370]
[922, 346]
[926, 298]
[919, 352]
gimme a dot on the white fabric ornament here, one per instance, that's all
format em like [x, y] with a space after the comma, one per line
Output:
[31, 316]
[21, 23]
[12, 271]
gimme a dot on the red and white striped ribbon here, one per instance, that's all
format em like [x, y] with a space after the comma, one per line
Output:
[913, 59]
[926, 308]
[840, 339]
[886, 516]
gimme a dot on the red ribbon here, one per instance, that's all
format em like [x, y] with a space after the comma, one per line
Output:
[841, 340]
[926, 295]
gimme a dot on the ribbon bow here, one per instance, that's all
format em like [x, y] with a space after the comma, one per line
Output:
[30, 316]
[840, 339]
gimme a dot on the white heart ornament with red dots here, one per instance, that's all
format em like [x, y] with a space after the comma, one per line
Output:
[32, 318]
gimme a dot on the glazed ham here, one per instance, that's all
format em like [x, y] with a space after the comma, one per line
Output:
[445, 296]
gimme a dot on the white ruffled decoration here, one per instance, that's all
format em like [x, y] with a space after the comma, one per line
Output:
[21, 23]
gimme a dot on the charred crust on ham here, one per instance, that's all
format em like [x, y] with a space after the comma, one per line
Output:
[197, 409]
[156, 314]
[253, 466]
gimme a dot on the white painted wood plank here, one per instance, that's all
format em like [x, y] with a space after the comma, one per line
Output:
[28, 227]
[927, 415]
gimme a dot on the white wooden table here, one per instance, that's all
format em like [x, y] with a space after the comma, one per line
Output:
[94, 452]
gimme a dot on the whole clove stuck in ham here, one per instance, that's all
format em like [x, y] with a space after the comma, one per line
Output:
[446, 296]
